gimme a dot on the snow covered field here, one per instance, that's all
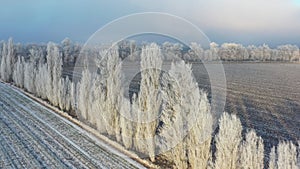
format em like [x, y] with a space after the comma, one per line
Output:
[266, 97]
[33, 136]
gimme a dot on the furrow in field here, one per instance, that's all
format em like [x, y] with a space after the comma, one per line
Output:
[73, 147]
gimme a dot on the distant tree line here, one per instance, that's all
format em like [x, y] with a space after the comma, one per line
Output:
[231, 52]
[175, 121]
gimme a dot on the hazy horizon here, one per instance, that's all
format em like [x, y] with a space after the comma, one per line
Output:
[273, 22]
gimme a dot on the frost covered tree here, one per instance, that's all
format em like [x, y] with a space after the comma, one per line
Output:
[32, 71]
[266, 52]
[171, 130]
[29, 77]
[186, 121]
[73, 96]
[7, 60]
[64, 95]
[99, 97]
[67, 90]
[231, 51]
[127, 126]
[133, 49]
[42, 81]
[10, 59]
[199, 137]
[70, 51]
[252, 152]
[284, 157]
[227, 142]
[66, 45]
[18, 73]
[214, 50]
[196, 52]
[110, 90]
[272, 159]
[285, 52]
[54, 65]
[110, 72]
[128, 48]
[287, 155]
[149, 100]
[84, 87]
[172, 50]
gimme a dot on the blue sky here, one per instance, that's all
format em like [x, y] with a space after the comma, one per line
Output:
[242, 21]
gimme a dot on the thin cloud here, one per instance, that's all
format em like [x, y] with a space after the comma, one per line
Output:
[254, 15]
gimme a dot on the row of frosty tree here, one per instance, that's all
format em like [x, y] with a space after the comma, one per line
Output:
[227, 52]
[170, 115]
[38, 73]
[238, 52]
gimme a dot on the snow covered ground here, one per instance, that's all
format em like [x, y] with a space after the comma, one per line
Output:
[33, 136]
